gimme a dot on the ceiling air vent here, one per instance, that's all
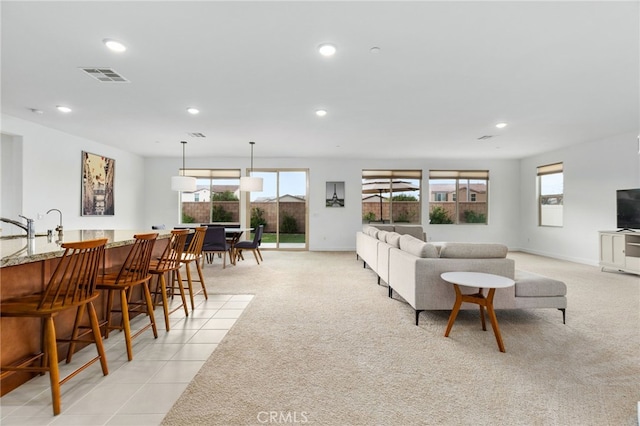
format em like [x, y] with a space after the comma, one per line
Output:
[481, 138]
[197, 135]
[105, 75]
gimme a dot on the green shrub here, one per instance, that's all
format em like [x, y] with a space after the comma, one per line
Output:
[404, 197]
[257, 218]
[188, 219]
[224, 196]
[289, 224]
[472, 217]
[219, 214]
[439, 216]
[368, 217]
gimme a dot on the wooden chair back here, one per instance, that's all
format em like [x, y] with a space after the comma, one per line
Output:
[195, 245]
[172, 255]
[136, 266]
[74, 280]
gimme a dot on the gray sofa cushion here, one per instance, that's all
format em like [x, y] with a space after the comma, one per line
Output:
[372, 232]
[414, 230]
[529, 284]
[393, 239]
[417, 247]
[473, 250]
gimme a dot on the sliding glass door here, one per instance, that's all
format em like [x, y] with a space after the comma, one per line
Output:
[282, 208]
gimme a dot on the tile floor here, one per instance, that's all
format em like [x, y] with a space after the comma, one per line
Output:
[139, 392]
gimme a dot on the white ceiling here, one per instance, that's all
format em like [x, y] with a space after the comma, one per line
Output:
[559, 73]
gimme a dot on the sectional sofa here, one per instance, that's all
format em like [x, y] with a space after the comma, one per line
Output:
[412, 267]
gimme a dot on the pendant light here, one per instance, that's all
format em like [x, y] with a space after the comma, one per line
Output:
[250, 183]
[183, 183]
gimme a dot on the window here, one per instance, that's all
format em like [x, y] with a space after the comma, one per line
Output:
[216, 198]
[440, 196]
[466, 196]
[391, 196]
[550, 194]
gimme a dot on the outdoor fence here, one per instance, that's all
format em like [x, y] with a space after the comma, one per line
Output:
[478, 208]
[403, 211]
[201, 212]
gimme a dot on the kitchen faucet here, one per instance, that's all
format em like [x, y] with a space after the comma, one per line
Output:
[31, 231]
[59, 227]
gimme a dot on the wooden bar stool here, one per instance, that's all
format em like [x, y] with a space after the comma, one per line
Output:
[133, 272]
[169, 263]
[193, 254]
[72, 286]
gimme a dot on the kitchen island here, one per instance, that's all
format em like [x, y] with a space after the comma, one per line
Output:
[25, 268]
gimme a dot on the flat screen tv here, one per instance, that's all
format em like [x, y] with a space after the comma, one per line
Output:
[628, 208]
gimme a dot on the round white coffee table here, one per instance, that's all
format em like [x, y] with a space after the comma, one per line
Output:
[478, 280]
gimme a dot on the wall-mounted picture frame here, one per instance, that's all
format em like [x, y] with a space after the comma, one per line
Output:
[335, 194]
[98, 177]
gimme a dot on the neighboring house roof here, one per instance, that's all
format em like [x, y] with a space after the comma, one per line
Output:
[448, 187]
[219, 188]
[283, 198]
[224, 188]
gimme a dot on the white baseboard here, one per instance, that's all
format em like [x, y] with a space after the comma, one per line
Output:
[556, 256]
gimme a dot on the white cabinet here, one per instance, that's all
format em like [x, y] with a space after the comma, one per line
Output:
[620, 251]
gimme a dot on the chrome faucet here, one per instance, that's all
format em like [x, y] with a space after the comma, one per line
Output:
[59, 227]
[29, 227]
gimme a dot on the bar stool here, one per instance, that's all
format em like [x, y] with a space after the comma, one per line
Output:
[133, 272]
[193, 254]
[169, 263]
[72, 286]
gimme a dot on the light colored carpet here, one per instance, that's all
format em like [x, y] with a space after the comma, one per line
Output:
[321, 343]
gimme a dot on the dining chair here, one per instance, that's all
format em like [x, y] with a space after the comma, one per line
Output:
[133, 272]
[254, 245]
[169, 264]
[72, 286]
[215, 241]
[193, 254]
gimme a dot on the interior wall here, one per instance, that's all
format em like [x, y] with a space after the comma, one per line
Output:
[10, 188]
[51, 176]
[593, 171]
[335, 228]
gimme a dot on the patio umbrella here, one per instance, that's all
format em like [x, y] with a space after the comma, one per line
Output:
[379, 186]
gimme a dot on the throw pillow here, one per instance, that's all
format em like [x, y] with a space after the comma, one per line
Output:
[393, 239]
[416, 247]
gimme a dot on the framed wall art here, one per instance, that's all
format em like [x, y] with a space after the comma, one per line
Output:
[335, 194]
[98, 177]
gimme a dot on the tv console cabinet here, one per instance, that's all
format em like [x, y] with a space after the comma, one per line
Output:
[620, 251]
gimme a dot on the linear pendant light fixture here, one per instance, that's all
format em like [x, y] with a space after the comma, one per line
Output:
[183, 183]
[250, 183]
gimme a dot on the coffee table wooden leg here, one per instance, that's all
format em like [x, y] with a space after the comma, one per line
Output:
[494, 321]
[481, 306]
[456, 309]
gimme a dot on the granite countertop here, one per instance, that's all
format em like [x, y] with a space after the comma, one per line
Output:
[20, 250]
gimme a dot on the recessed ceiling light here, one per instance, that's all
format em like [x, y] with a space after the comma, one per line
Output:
[63, 108]
[192, 110]
[36, 111]
[501, 125]
[321, 113]
[114, 45]
[327, 49]
[374, 49]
